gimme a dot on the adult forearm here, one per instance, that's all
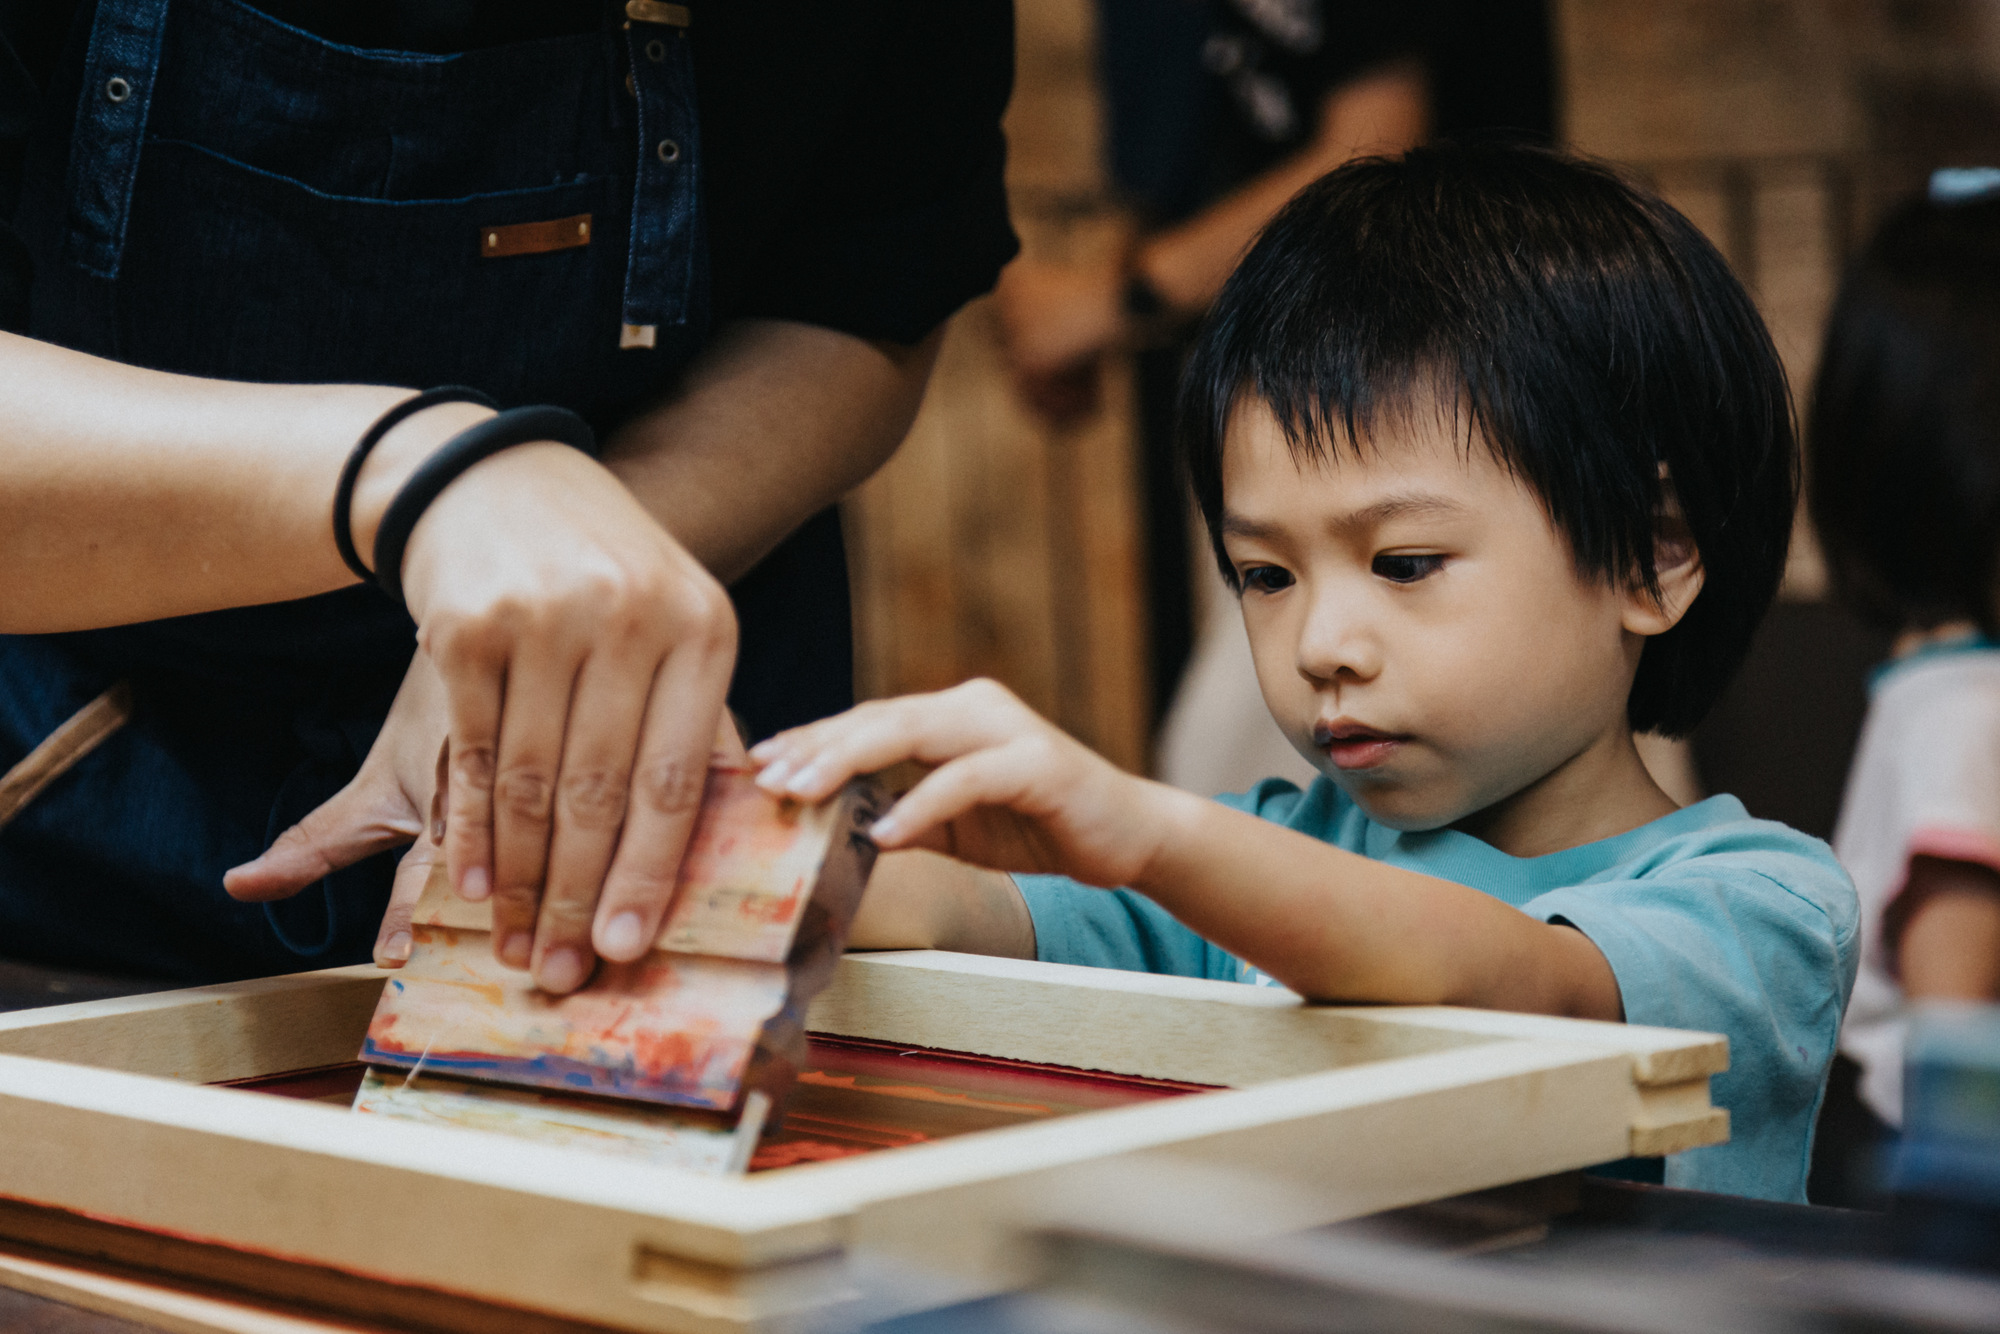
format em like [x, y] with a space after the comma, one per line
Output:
[128, 494]
[1336, 926]
[776, 421]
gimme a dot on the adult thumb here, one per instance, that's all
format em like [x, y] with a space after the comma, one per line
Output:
[365, 817]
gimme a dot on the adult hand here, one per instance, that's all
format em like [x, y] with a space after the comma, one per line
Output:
[1011, 791]
[582, 656]
[389, 803]
[394, 799]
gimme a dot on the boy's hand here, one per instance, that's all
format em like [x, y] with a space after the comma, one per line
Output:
[1010, 792]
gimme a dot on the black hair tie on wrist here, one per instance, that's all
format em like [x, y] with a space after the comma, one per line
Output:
[517, 426]
[350, 472]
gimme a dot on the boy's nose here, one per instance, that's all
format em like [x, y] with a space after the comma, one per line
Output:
[1335, 644]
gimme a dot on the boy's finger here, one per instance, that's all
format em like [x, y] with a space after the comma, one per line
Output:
[999, 776]
[930, 729]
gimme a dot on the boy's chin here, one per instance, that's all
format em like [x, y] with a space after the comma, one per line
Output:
[1406, 808]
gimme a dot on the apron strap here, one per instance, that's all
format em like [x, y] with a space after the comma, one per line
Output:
[660, 259]
[118, 77]
[62, 748]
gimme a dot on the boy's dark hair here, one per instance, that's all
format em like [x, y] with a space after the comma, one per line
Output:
[1585, 329]
[1904, 433]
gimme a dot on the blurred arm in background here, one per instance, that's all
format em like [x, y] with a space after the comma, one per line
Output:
[1057, 320]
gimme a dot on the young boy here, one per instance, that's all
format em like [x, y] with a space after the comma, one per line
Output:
[1500, 459]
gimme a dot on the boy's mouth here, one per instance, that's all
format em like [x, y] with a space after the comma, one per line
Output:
[1350, 745]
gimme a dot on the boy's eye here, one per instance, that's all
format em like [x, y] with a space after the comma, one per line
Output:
[1265, 579]
[1399, 569]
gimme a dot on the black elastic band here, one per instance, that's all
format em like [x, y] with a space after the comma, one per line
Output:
[518, 426]
[350, 472]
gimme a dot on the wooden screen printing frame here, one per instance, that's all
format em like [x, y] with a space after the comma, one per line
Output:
[112, 1145]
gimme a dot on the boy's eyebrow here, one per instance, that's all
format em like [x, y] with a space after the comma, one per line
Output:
[1408, 504]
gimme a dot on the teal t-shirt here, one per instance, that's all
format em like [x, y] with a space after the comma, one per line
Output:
[1711, 920]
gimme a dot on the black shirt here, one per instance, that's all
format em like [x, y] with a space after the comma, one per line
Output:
[852, 154]
[1206, 94]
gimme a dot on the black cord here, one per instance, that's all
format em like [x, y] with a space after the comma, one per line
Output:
[518, 426]
[350, 472]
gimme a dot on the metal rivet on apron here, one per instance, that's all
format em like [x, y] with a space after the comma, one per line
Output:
[669, 151]
[656, 50]
[117, 89]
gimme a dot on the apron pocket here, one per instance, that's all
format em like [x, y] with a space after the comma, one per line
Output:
[299, 284]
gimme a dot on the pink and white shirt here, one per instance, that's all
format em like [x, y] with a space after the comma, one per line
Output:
[1925, 782]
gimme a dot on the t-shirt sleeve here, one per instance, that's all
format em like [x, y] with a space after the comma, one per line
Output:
[913, 223]
[1117, 928]
[1944, 800]
[1758, 944]
[1120, 928]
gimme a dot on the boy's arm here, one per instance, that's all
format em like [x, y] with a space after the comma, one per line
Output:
[1332, 925]
[919, 900]
[1013, 793]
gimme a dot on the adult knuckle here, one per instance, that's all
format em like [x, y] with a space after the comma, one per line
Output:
[472, 768]
[700, 607]
[670, 785]
[516, 903]
[525, 793]
[593, 798]
[640, 886]
[568, 915]
[457, 639]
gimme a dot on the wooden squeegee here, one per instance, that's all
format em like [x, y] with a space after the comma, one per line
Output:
[708, 1020]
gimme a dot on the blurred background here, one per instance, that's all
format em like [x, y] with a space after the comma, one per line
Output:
[1053, 551]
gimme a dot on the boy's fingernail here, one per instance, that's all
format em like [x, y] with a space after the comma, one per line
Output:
[624, 936]
[475, 885]
[885, 830]
[397, 947]
[774, 775]
[762, 748]
[805, 779]
[562, 971]
[516, 949]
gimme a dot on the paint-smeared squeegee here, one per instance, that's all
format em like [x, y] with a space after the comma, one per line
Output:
[711, 1020]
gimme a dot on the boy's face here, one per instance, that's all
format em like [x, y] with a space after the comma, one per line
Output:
[1420, 629]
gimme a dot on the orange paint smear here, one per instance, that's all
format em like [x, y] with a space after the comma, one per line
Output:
[919, 1093]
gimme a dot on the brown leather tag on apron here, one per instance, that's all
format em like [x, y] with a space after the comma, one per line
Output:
[534, 238]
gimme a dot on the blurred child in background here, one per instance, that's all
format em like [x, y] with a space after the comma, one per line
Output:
[1904, 461]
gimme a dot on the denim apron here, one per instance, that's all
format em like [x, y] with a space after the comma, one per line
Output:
[238, 198]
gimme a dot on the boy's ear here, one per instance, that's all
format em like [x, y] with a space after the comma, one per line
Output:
[1676, 568]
